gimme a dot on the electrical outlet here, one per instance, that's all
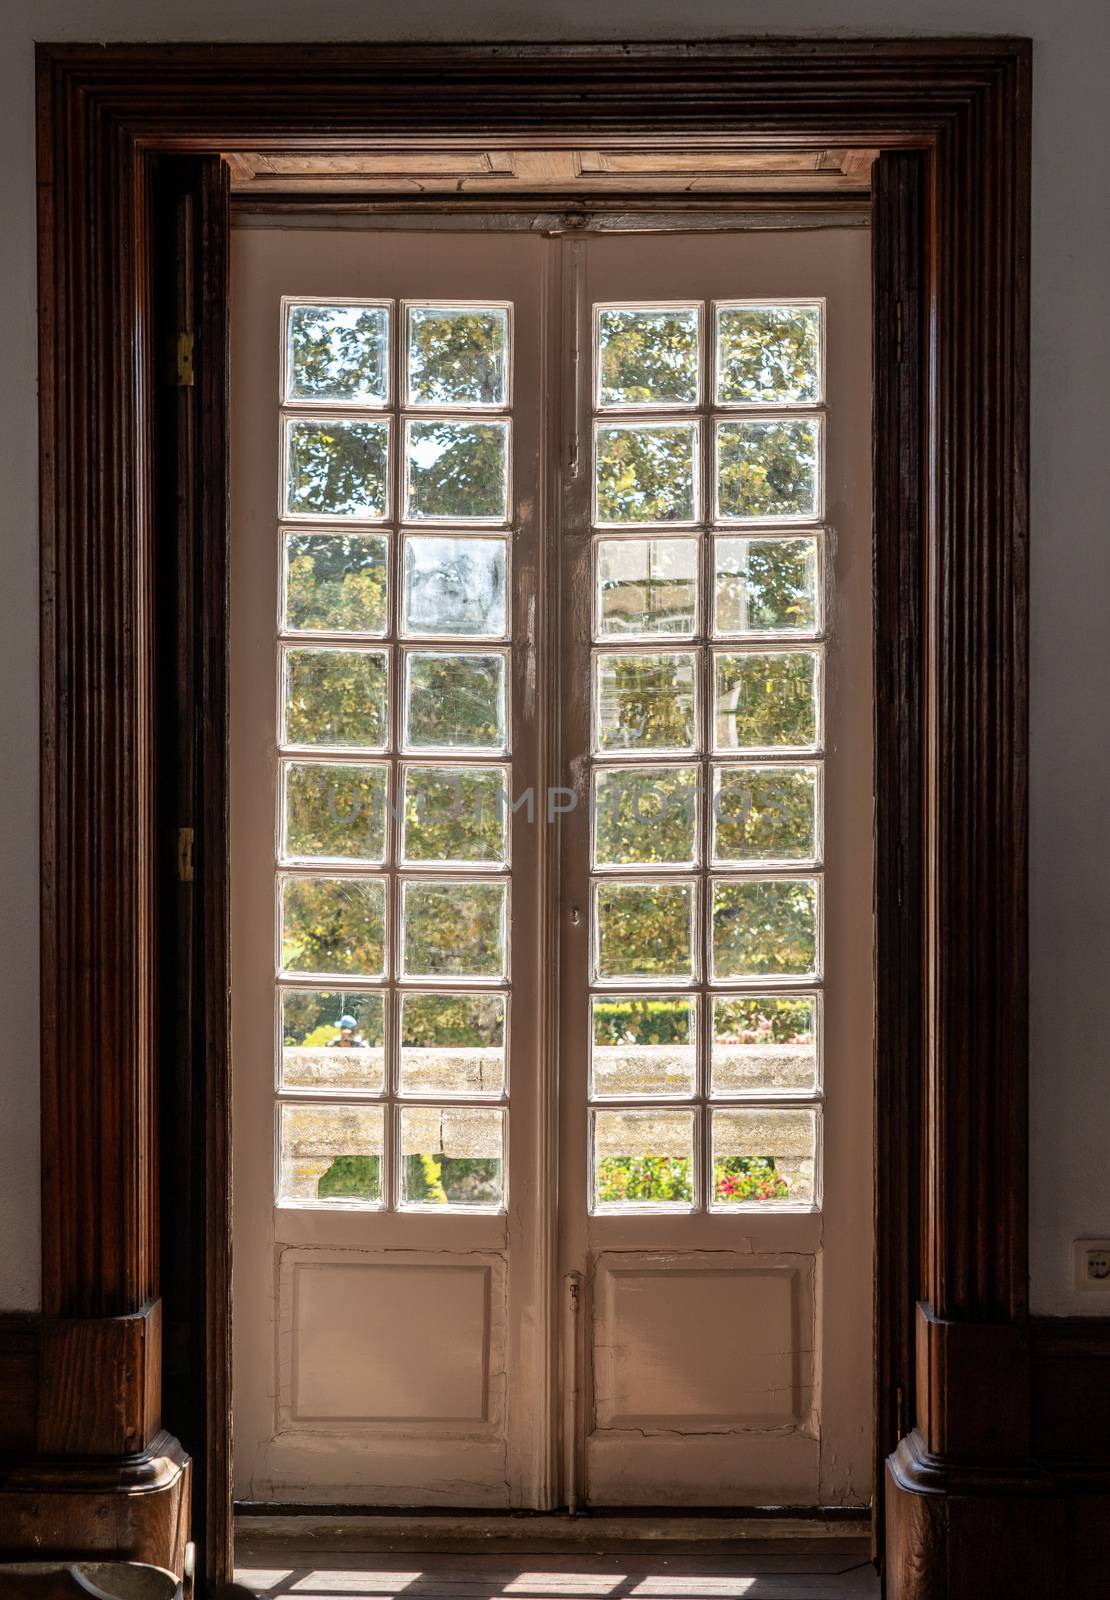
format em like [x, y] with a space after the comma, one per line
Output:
[1092, 1264]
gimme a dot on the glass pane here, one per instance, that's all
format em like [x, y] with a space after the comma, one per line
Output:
[455, 815]
[336, 697]
[458, 355]
[767, 468]
[648, 357]
[452, 1044]
[454, 702]
[764, 1156]
[766, 701]
[646, 472]
[452, 1156]
[331, 1154]
[334, 811]
[643, 1158]
[765, 814]
[645, 702]
[337, 469]
[336, 583]
[765, 585]
[768, 353]
[458, 471]
[333, 925]
[453, 930]
[647, 586]
[332, 1039]
[339, 353]
[645, 930]
[643, 1046]
[645, 816]
[455, 586]
[764, 1042]
[765, 927]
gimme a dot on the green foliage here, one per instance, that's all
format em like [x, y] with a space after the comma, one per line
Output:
[767, 468]
[645, 473]
[335, 811]
[659, 1178]
[762, 1019]
[336, 697]
[457, 357]
[333, 925]
[636, 1021]
[766, 585]
[336, 582]
[645, 817]
[452, 1180]
[454, 814]
[311, 1016]
[764, 926]
[766, 701]
[644, 930]
[338, 469]
[457, 469]
[648, 356]
[765, 813]
[457, 1020]
[768, 353]
[338, 352]
[646, 702]
[454, 929]
[737, 1178]
[351, 1178]
[456, 700]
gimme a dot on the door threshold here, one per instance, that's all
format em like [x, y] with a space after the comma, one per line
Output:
[262, 1527]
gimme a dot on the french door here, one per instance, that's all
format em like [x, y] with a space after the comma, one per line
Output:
[551, 872]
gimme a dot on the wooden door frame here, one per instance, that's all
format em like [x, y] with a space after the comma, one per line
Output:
[129, 136]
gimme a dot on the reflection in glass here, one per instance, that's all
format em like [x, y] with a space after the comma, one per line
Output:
[335, 811]
[765, 813]
[768, 353]
[455, 815]
[332, 1039]
[645, 701]
[765, 585]
[336, 583]
[764, 1155]
[338, 353]
[454, 930]
[766, 700]
[454, 701]
[645, 816]
[457, 471]
[645, 472]
[767, 468]
[647, 586]
[643, 1046]
[452, 1044]
[764, 927]
[454, 586]
[457, 355]
[647, 356]
[334, 926]
[331, 1154]
[337, 468]
[336, 697]
[764, 1042]
[645, 931]
[643, 1158]
[452, 1156]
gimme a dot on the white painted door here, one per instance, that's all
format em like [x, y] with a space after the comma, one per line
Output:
[528, 533]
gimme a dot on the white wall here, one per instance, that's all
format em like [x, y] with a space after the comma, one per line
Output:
[1071, 527]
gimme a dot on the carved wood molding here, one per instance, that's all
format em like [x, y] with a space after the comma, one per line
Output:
[951, 612]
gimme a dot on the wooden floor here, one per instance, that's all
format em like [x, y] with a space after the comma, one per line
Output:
[829, 1568]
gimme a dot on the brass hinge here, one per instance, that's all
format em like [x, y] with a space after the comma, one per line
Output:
[184, 855]
[182, 372]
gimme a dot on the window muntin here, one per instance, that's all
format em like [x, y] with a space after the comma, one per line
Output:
[706, 758]
[392, 864]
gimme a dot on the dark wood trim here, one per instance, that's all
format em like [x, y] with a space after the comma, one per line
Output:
[951, 628]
